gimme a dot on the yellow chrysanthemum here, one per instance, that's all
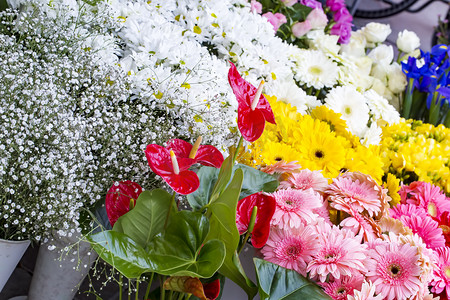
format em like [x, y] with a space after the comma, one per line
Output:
[281, 109]
[330, 117]
[393, 185]
[322, 151]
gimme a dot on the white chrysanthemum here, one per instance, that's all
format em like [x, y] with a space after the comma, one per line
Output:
[315, 69]
[347, 101]
[380, 107]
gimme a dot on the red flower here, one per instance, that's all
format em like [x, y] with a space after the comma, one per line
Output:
[212, 289]
[444, 224]
[253, 108]
[206, 155]
[119, 197]
[265, 209]
[172, 169]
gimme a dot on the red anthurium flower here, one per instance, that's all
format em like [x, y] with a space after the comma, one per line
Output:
[119, 198]
[265, 209]
[212, 289]
[172, 169]
[206, 155]
[253, 110]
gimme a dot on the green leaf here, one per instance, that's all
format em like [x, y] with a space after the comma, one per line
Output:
[182, 250]
[223, 227]
[147, 218]
[121, 252]
[208, 177]
[299, 12]
[222, 180]
[254, 181]
[278, 283]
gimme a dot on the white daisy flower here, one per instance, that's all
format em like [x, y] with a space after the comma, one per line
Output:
[380, 107]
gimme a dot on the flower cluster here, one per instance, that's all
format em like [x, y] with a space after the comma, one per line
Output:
[325, 144]
[343, 236]
[70, 125]
[412, 150]
[428, 84]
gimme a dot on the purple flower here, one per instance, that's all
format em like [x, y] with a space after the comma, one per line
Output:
[343, 30]
[335, 5]
[311, 3]
[342, 16]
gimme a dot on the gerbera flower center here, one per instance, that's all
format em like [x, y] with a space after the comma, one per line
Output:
[340, 291]
[445, 229]
[278, 158]
[290, 249]
[432, 210]
[447, 272]
[315, 70]
[319, 154]
[395, 270]
[348, 110]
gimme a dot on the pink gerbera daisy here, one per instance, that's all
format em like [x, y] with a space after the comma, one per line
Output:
[406, 210]
[306, 179]
[427, 228]
[340, 254]
[359, 193]
[291, 248]
[359, 224]
[426, 195]
[339, 289]
[295, 207]
[441, 279]
[367, 292]
[393, 269]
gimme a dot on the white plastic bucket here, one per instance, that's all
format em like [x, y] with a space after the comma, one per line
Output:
[10, 254]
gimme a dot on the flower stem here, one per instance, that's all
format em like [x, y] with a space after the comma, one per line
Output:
[244, 241]
[181, 296]
[408, 100]
[137, 289]
[129, 289]
[433, 114]
[163, 291]
[147, 292]
[120, 286]
[237, 148]
[172, 202]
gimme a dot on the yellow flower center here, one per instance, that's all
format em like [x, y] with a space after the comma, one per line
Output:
[432, 210]
[315, 70]
[447, 272]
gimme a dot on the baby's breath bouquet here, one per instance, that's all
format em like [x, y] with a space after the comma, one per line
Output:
[69, 125]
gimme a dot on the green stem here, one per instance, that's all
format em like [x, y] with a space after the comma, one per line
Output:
[171, 294]
[188, 296]
[241, 139]
[137, 288]
[399, 57]
[172, 202]
[120, 286]
[147, 292]
[180, 296]
[163, 291]
[129, 289]
[408, 100]
[244, 241]
[433, 114]
[447, 119]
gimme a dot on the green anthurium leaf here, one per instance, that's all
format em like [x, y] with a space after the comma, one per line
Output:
[147, 218]
[277, 283]
[208, 177]
[182, 249]
[223, 227]
[121, 252]
[254, 181]
[299, 12]
[223, 179]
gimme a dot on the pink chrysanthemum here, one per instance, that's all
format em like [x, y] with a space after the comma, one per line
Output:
[393, 269]
[339, 289]
[367, 292]
[406, 210]
[304, 180]
[359, 193]
[441, 279]
[295, 207]
[425, 195]
[340, 254]
[427, 228]
[291, 248]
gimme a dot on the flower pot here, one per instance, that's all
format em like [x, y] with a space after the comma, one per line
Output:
[10, 254]
[59, 279]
